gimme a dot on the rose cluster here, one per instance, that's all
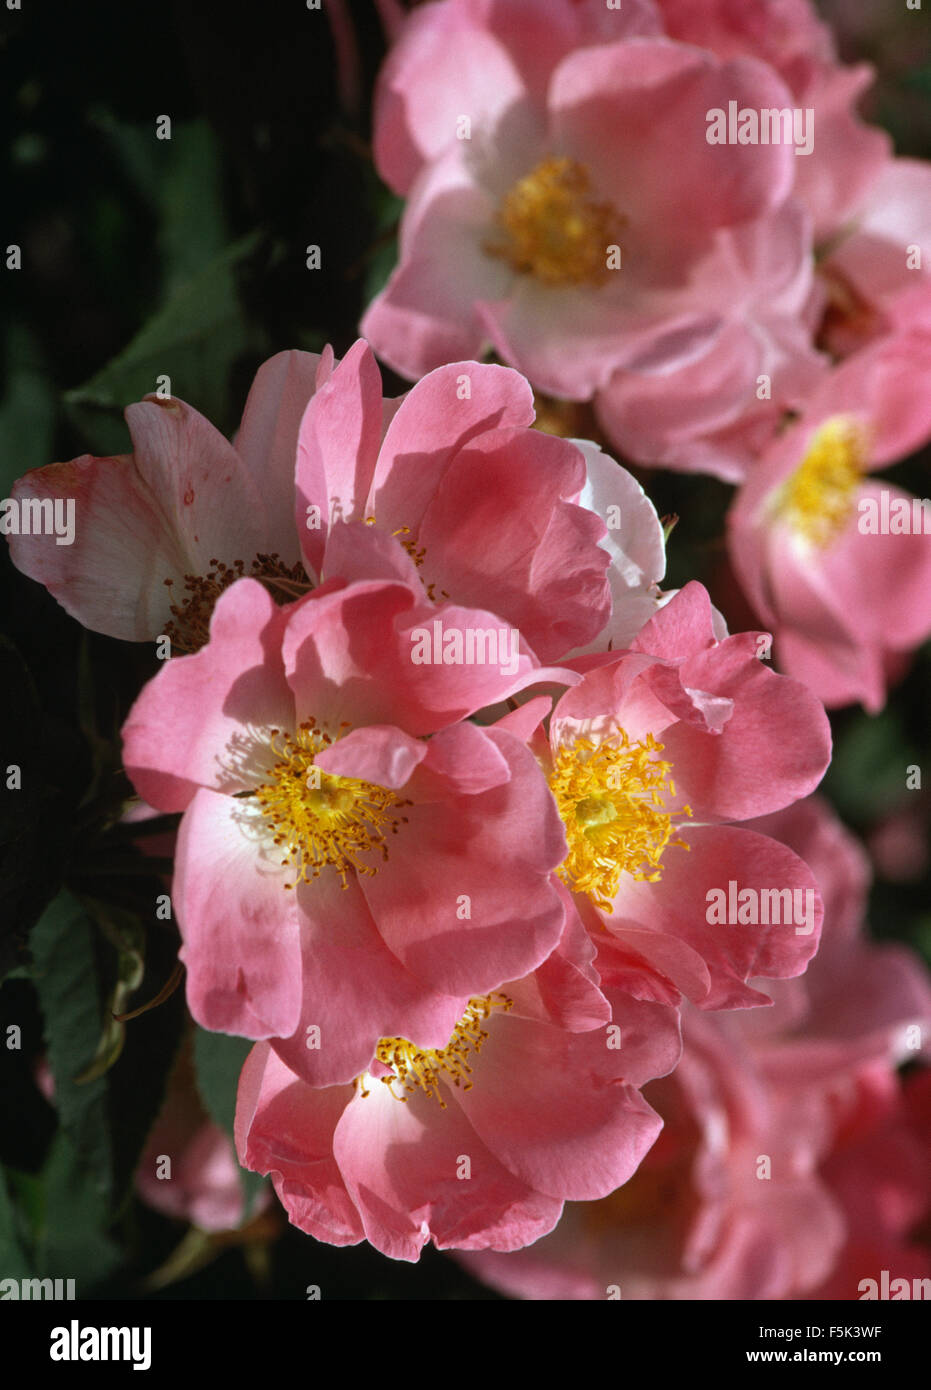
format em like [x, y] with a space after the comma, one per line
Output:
[499, 852]
[455, 778]
[672, 210]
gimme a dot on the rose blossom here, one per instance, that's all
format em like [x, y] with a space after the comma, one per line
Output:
[338, 815]
[473, 1144]
[557, 231]
[651, 757]
[791, 1162]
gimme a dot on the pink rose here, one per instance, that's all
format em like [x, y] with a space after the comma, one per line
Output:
[473, 1144]
[350, 851]
[552, 225]
[551, 535]
[650, 757]
[159, 533]
[791, 1162]
[843, 586]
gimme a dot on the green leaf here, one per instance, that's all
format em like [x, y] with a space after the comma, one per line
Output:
[193, 339]
[73, 1242]
[66, 979]
[219, 1060]
[193, 229]
[138, 150]
[27, 410]
[14, 1262]
[180, 180]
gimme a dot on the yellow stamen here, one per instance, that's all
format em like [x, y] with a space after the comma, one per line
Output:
[611, 795]
[552, 228]
[320, 819]
[819, 498]
[422, 1068]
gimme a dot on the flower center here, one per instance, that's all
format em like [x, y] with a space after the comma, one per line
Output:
[551, 227]
[189, 628]
[417, 1068]
[611, 796]
[320, 819]
[819, 498]
[417, 553]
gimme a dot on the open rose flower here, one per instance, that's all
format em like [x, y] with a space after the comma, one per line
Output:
[160, 532]
[718, 413]
[555, 227]
[473, 1143]
[551, 535]
[461, 495]
[844, 585]
[650, 756]
[349, 848]
[791, 1163]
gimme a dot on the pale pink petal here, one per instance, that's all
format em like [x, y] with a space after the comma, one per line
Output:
[623, 103]
[286, 1129]
[337, 446]
[376, 754]
[564, 989]
[437, 418]
[354, 990]
[442, 68]
[112, 577]
[403, 1203]
[554, 1106]
[773, 749]
[463, 871]
[427, 313]
[238, 923]
[211, 501]
[503, 532]
[267, 440]
[680, 905]
[194, 725]
[354, 656]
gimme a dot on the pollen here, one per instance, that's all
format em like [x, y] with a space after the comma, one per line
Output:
[189, 628]
[820, 497]
[319, 819]
[418, 554]
[416, 1068]
[612, 797]
[551, 227]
